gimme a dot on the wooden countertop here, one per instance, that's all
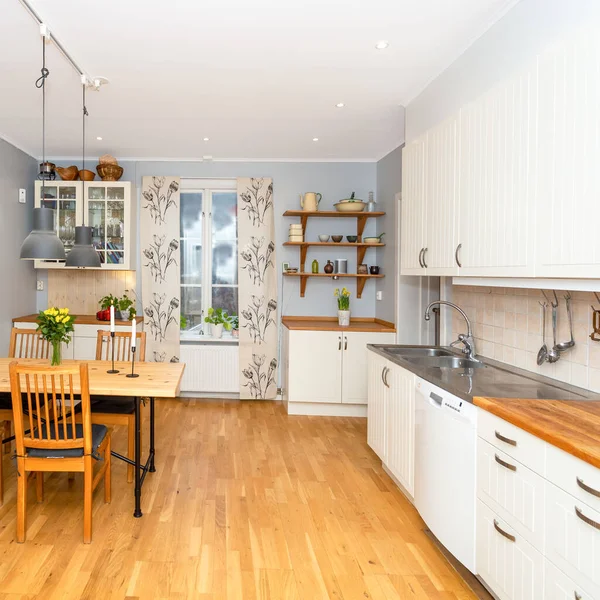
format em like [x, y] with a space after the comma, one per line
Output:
[80, 320]
[370, 325]
[571, 425]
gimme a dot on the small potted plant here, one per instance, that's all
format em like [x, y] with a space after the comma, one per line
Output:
[126, 308]
[182, 322]
[343, 300]
[235, 326]
[219, 320]
[55, 325]
[105, 303]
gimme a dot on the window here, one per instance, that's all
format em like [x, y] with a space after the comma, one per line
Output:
[208, 248]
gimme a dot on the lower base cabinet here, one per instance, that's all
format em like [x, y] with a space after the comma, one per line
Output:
[557, 586]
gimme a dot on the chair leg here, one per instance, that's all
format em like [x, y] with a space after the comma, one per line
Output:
[71, 476]
[107, 460]
[87, 499]
[39, 486]
[7, 434]
[21, 501]
[130, 446]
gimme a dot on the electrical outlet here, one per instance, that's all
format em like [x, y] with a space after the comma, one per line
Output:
[22, 195]
[379, 295]
[40, 285]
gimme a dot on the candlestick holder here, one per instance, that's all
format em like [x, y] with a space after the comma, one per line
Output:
[132, 374]
[112, 371]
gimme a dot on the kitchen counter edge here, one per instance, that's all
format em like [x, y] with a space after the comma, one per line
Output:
[359, 324]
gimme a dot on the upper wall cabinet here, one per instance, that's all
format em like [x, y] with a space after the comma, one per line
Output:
[569, 177]
[109, 210]
[497, 180]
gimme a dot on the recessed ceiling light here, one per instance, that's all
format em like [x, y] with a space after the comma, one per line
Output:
[340, 105]
[382, 45]
[99, 138]
[315, 139]
[205, 139]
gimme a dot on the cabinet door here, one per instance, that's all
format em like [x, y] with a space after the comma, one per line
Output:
[442, 179]
[400, 455]
[573, 538]
[557, 586]
[354, 364]
[569, 178]
[513, 570]
[413, 207]
[376, 410]
[497, 180]
[315, 366]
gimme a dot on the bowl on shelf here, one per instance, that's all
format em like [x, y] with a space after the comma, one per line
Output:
[352, 238]
[373, 239]
[337, 238]
[323, 238]
[68, 173]
[292, 270]
[350, 206]
[86, 175]
[109, 171]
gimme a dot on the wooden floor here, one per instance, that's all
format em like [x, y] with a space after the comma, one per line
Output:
[246, 503]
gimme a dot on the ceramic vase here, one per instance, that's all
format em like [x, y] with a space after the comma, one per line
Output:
[344, 318]
[216, 331]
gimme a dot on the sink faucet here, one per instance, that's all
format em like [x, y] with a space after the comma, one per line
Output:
[465, 339]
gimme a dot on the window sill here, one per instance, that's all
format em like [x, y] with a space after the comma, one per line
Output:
[186, 337]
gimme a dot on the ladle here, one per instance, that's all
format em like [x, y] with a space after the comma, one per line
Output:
[566, 345]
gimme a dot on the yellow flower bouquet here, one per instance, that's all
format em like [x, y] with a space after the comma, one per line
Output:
[55, 325]
[343, 298]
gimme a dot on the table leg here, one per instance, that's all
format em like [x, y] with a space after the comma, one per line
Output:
[138, 467]
[152, 468]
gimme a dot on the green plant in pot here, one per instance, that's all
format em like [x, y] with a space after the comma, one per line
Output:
[124, 306]
[182, 322]
[235, 325]
[55, 325]
[218, 320]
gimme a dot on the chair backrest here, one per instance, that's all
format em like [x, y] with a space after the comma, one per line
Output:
[122, 346]
[27, 343]
[49, 397]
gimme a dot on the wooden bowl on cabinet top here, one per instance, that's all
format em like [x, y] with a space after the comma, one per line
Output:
[86, 175]
[109, 172]
[68, 173]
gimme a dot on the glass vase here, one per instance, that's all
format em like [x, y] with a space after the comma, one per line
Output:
[56, 354]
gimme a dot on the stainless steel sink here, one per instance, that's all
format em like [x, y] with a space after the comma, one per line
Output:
[447, 362]
[418, 352]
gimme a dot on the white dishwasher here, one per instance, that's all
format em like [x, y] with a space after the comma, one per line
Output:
[445, 468]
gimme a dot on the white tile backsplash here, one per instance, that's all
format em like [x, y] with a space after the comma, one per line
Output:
[507, 325]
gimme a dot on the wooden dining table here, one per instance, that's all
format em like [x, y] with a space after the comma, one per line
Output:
[154, 380]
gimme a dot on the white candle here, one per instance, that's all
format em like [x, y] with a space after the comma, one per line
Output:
[133, 332]
[112, 319]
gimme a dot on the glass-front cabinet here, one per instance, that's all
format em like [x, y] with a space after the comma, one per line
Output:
[108, 209]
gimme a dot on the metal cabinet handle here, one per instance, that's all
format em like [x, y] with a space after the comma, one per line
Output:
[456, 255]
[577, 596]
[587, 488]
[587, 520]
[424, 253]
[382, 374]
[504, 463]
[505, 439]
[345, 343]
[340, 343]
[385, 381]
[501, 531]
[420, 256]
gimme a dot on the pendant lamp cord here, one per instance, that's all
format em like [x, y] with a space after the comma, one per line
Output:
[40, 83]
[85, 114]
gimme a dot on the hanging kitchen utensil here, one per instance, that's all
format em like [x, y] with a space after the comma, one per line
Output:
[554, 353]
[567, 345]
[543, 351]
[595, 335]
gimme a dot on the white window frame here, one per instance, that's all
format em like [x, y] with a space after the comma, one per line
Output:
[206, 187]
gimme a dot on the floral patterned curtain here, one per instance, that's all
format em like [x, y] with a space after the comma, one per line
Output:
[159, 240]
[257, 291]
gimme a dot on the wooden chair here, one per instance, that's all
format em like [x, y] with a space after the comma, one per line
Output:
[24, 343]
[59, 444]
[114, 410]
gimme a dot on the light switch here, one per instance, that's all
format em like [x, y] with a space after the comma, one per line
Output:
[40, 285]
[379, 295]
[22, 195]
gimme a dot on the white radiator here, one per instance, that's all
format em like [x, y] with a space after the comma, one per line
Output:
[210, 368]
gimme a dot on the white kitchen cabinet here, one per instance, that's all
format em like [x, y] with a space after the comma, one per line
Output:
[442, 152]
[109, 208]
[413, 207]
[510, 566]
[557, 586]
[568, 176]
[400, 431]
[329, 367]
[377, 407]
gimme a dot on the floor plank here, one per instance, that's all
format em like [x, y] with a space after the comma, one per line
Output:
[247, 503]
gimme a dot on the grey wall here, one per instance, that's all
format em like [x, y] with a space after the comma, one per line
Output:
[529, 27]
[334, 180]
[17, 170]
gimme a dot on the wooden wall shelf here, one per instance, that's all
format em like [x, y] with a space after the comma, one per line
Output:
[361, 247]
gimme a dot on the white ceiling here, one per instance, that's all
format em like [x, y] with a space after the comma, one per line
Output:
[259, 78]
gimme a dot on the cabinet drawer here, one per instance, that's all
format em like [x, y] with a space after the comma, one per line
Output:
[557, 586]
[575, 476]
[512, 490]
[511, 567]
[518, 444]
[573, 538]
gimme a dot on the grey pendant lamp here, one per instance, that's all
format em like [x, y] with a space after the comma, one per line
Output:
[42, 242]
[83, 253]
